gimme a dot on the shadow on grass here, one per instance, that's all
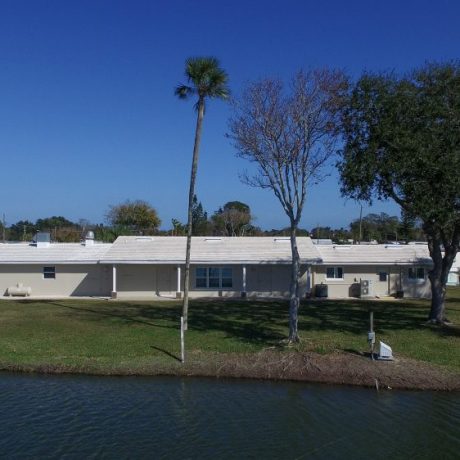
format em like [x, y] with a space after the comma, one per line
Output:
[167, 353]
[352, 316]
[263, 322]
[129, 313]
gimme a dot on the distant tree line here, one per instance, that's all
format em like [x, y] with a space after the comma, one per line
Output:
[234, 218]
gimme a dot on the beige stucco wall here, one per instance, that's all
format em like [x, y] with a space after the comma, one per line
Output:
[146, 280]
[71, 280]
[161, 280]
[397, 279]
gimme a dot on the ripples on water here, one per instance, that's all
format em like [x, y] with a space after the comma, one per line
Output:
[92, 417]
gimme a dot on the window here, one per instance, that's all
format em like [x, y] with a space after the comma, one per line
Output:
[334, 273]
[201, 277]
[383, 276]
[49, 272]
[416, 273]
[213, 277]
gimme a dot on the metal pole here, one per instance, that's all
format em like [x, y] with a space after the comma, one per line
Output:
[371, 335]
[182, 344]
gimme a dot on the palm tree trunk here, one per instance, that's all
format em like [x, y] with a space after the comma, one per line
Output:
[196, 148]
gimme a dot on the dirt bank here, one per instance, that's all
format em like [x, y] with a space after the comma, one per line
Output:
[336, 368]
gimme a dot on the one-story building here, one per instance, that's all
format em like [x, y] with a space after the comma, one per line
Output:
[220, 266]
[374, 270]
[54, 269]
[153, 266]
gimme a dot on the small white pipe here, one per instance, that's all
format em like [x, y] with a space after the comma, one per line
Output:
[178, 279]
[244, 278]
[114, 278]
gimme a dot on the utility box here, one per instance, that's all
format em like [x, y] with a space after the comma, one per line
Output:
[386, 353]
[366, 289]
[321, 290]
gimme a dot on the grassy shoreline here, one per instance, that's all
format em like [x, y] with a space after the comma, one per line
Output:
[232, 338]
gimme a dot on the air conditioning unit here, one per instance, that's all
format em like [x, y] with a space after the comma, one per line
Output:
[366, 288]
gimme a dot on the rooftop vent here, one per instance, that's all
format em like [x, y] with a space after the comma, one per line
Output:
[42, 239]
[89, 238]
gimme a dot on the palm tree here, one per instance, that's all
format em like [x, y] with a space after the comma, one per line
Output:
[206, 80]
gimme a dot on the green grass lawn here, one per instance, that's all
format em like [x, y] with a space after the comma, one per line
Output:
[104, 335]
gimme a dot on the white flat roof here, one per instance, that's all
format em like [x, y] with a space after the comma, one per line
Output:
[376, 254]
[212, 250]
[55, 253]
[208, 250]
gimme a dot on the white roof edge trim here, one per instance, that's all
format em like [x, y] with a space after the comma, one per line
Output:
[53, 262]
[391, 264]
[206, 262]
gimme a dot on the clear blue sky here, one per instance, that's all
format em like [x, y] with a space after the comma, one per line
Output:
[87, 112]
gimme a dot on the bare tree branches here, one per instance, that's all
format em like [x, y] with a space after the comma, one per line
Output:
[289, 136]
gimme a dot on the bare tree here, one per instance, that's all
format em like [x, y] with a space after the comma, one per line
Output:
[289, 136]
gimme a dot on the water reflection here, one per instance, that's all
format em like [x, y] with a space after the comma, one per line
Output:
[93, 417]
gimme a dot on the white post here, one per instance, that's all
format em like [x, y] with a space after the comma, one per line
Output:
[182, 345]
[178, 290]
[243, 293]
[114, 281]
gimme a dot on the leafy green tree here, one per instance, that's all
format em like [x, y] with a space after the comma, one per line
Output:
[200, 224]
[341, 235]
[61, 229]
[105, 234]
[205, 80]
[410, 229]
[50, 223]
[23, 230]
[380, 227]
[321, 233]
[289, 137]
[402, 142]
[178, 228]
[234, 219]
[137, 217]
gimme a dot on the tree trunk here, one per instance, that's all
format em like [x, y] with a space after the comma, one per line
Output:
[294, 289]
[438, 292]
[438, 276]
[196, 148]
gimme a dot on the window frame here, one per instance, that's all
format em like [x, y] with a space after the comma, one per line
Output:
[49, 272]
[414, 272]
[336, 269]
[214, 278]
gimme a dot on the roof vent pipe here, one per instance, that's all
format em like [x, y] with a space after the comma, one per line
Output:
[89, 238]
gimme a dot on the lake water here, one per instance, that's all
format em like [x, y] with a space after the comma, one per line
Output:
[131, 417]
